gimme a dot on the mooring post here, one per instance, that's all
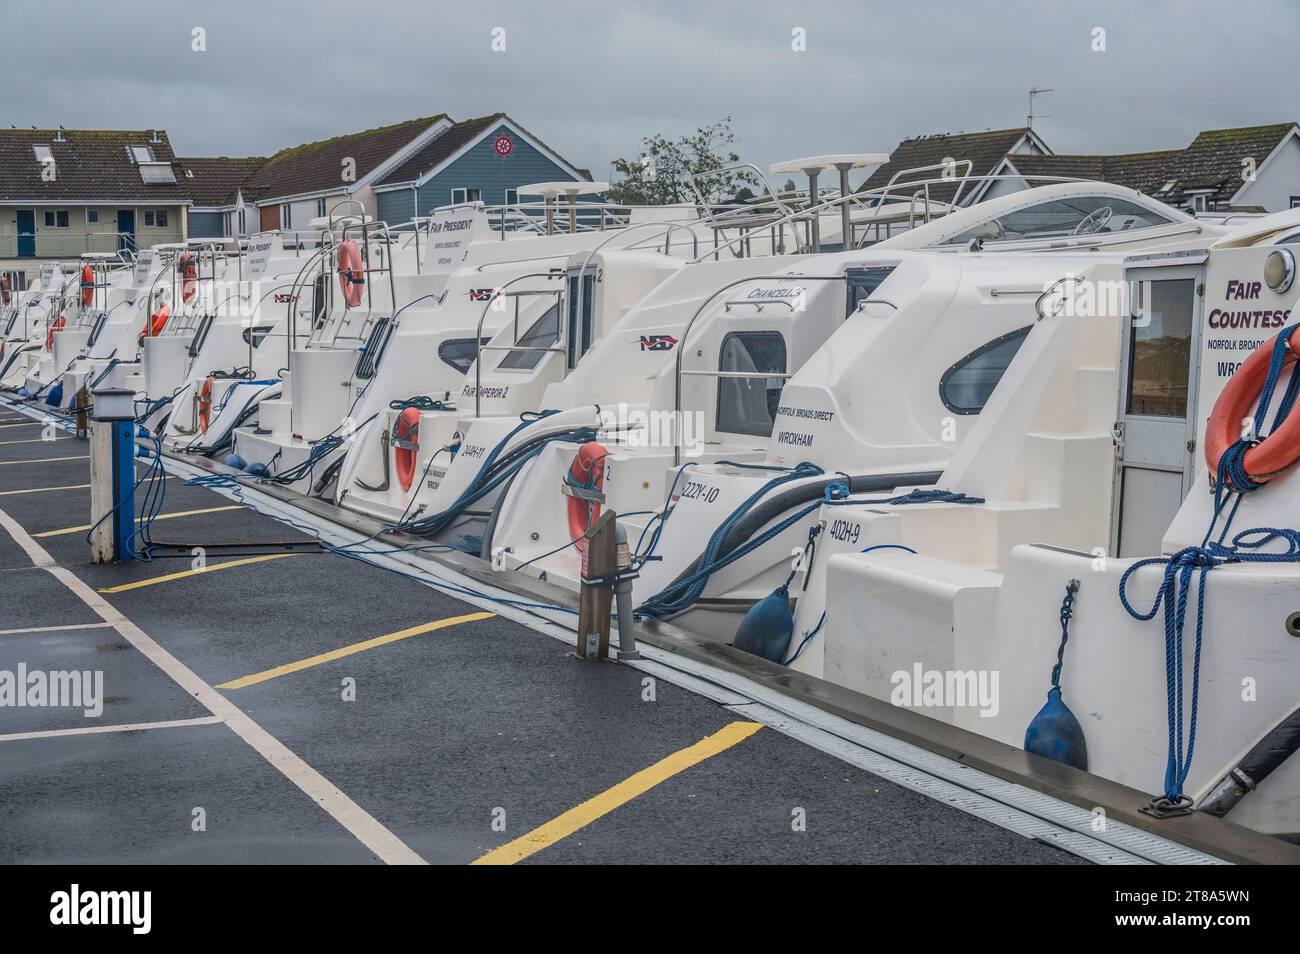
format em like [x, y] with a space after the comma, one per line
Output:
[623, 596]
[81, 403]
[112, 476]
[596, 595]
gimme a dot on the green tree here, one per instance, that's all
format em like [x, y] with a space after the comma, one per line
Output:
[661, 174]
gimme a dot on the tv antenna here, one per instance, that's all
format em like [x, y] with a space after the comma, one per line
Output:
[1035, 91]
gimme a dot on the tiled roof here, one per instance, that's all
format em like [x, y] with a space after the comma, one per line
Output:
[984, 149]
[90, 164]
[318, 166]
[1214, 159]
[439, 148]
[213, 182]
[1143, 171]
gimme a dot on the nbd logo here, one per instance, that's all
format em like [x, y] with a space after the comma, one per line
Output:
[77, 907]
[657, 342]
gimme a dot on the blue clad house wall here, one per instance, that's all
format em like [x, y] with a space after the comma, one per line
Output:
[206, 224]
[395, 207]
[478, 168]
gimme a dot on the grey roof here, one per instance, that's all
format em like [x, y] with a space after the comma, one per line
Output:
[984, 149]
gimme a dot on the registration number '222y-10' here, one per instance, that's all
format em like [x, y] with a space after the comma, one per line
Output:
[694, 490]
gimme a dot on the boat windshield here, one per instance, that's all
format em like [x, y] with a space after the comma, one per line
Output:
[1062, 218]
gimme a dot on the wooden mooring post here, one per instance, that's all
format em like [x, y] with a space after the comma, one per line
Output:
[599, 561]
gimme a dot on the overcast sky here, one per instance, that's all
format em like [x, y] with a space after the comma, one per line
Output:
[590, 78]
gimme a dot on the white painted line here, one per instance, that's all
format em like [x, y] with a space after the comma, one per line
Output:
[97, 729]
[53, 629]
[387, 846]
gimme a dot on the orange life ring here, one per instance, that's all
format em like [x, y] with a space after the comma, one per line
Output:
[87, 285]
[205, 403]
[4, 289]
[157, 322]
[1276, 452]
[406, 445]
[351, 276]
[56, 325]
[189, 275]
[587, 470]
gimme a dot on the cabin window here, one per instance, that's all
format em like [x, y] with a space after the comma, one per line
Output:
[56, 218]
[459, 353]
[966, 387]
[1160, 350]
[580, 326]
[1063, 218]
[748, 405]
[544, 333]
[862, 284]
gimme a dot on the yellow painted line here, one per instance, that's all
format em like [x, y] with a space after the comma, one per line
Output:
[161, 516]
[583, 815]
[349, 650]
[45, 460]
[41, 490]
[210, 568]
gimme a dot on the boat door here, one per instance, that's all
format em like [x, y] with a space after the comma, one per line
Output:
[26, 222]
[126, 230]
[1155, 429]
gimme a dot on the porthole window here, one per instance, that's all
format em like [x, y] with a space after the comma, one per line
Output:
[966, 387]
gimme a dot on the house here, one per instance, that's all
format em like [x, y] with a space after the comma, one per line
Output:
[218, 188]
[1246, 169]
[484, 159]
[935, 154]
[1142, 171]
[397, 171]
[67, 192]
[1225, 170]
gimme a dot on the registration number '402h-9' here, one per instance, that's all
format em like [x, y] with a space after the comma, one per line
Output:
[845, 531]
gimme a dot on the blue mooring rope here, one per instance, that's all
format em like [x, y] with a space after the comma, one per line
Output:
[1231, 484]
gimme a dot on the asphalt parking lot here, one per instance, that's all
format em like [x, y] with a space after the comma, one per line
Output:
[308, 708]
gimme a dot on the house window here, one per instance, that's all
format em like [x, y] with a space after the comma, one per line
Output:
[140, 154]
[748, 405]
[461, 196]
[243, 223]
[43, 153]
[92, 216]
[286, 217]
[512, 196]
[56, 218]
[155, 218]
[1295, 202]
[320, 207]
